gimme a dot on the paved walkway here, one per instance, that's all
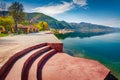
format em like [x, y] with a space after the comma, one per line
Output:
[61, 66]
[12, 44]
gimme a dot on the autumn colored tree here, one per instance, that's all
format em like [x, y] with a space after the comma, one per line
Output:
[7, 23]
[2, 8]
[43, 25]
[25, 23]
[2, 29]
[16, 11]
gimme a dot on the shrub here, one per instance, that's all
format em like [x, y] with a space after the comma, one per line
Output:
[2, 29]
[7, 23]
[25, 23]
[42, 25]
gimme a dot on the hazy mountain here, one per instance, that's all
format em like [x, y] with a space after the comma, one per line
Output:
[53, 23]
[88, 27]
[78, 27]
[68, 25]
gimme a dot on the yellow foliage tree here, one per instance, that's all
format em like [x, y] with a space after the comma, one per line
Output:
[2, 29]
[43, 25]
[7, 23]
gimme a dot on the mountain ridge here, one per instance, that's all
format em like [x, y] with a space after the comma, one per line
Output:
[78, 27]
[89, 27]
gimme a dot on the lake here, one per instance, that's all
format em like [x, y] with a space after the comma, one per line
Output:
[102, 47]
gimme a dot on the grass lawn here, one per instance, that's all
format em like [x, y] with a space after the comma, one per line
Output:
[3, 35]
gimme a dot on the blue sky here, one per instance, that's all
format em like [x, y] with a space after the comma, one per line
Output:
[104, 12]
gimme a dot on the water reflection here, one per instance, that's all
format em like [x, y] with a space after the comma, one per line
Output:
[103, 47]
[78, 34]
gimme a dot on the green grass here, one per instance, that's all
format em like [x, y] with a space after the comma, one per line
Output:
[3, 35]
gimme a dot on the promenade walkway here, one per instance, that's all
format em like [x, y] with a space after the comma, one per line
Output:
[12, 44]
[39, 56]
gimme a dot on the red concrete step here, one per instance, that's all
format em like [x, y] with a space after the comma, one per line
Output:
[41, 64]
[5, 69]
[33, 69]
[28, 63]
[16, 71]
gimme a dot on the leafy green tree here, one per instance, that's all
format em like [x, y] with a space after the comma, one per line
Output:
[2, 7]
[2, 29]
[25, 22]
[38, 26]
[43, 25]
[16, 11]
[7, 23]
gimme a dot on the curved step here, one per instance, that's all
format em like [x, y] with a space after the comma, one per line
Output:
[18, 66]
[33, 69]
[28, 63]
[5, 69]
[41, 64]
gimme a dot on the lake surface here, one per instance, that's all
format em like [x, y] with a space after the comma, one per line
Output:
[104, 48]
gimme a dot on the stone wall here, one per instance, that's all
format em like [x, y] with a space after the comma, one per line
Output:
[57, 46]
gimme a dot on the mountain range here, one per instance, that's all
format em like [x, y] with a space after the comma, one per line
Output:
[53, 23]
[88, 27]
[78, 27]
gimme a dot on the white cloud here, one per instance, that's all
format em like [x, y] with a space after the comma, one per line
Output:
[80, 2]
[54, 10]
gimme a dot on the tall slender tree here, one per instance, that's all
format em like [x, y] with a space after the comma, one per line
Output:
[2, 7]
[16, 11]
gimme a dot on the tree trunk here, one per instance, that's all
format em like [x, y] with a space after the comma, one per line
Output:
[43, 25]
[16, 28]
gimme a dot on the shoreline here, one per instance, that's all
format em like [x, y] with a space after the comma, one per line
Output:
[21, 42]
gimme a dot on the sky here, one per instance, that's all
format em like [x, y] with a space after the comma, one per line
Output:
[103, 12]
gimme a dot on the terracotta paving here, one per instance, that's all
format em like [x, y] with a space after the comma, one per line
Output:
[15, 72]
[44, 62]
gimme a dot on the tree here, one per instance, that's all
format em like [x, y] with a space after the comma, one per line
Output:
[25, 23]
[43, 25]
[3, 8]
[7, 23]
[38, 26]
[2, 29]
[16, 11]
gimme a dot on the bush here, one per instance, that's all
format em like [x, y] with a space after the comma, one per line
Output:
[54, 31]
[7, 23]
[42, 25]
[2, 29]
[25, 23]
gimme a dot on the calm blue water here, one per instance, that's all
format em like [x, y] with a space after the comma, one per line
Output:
[104, 48]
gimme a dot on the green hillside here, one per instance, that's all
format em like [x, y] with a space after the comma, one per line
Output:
[53, 23]
[78, 27]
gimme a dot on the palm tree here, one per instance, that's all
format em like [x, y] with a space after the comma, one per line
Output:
[16, 11]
